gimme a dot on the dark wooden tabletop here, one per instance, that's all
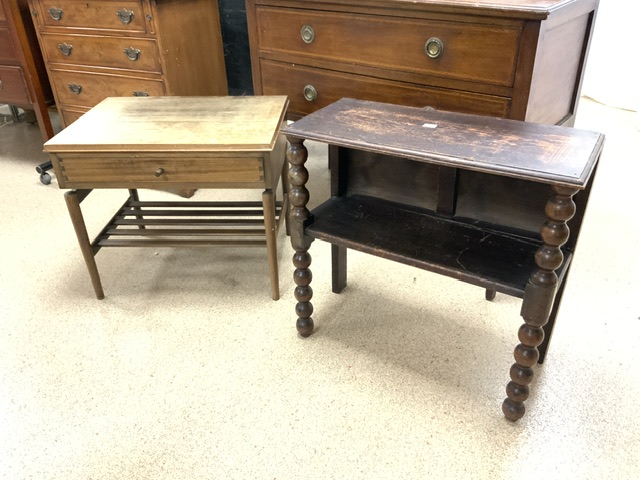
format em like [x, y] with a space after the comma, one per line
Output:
[543, 153]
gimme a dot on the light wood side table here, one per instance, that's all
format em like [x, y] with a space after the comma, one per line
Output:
[177, 143]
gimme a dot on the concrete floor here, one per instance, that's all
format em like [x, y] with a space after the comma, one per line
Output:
[188, 370]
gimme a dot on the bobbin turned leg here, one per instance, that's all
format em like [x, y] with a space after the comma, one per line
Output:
[538, 299]
[298, 215]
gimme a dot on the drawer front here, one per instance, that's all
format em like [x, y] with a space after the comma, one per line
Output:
[467, 51]
[88, 88]
[126, 16]
[300, 82]
[7, 48]
[118, 52]
[13, 87]
[70, 115]
[146, 170]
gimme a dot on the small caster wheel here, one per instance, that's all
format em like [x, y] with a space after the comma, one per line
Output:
[490, 294]
[45, 178]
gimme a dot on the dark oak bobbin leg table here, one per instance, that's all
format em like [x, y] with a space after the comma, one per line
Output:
[484, 200]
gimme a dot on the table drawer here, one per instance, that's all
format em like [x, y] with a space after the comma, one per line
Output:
[129, 53]
[13, 87]
[300, 82]
[127, 15]
[141, 171]
[468, 51]
[7, 48]
[89, 88]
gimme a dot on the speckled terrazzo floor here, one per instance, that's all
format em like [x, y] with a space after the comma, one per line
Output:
[188, 370]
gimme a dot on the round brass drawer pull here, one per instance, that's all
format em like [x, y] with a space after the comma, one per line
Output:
[433, 47]
[308, 34]
[310, 93]
[159, 172]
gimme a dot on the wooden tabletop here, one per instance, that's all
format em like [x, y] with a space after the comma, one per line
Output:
[544, 153]
[174, 124]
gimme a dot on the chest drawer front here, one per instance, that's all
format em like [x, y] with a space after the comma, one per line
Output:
[13, 87]
[118, 52]
[87, 89]
[467, 51]
[300, 83]
[126, 16]
[7, 48]
[80, 170]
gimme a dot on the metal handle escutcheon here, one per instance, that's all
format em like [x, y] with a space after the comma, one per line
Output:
[159, 172]
[308, 34]
[75, 88]
[310, 93]
[139, 93]
[56, 13]
[132, 54]
[125, 16]
[434, 47]
[65, 49]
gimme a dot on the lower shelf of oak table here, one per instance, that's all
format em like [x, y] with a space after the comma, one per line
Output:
[466, 250]
[186, 223]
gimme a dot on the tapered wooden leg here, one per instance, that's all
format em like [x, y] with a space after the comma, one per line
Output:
[538, 299]
[133, 194]
[299, 197]
[269, 210]
[73, 205]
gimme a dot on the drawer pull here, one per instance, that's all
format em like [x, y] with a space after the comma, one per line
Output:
[65, 49]
[138, 93]
[56, 13]
[159, 172]
[310, 93]
[434, 47]
[0, 84]
[125, 16]
[133, 54]
[308, 34]
[75, 88]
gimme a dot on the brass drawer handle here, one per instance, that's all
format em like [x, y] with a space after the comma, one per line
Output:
[434, 47]
[159, 172]
[56, 13]
[308, 34]
[75, 88]
[138, 93]
[65, 49]
[310, 93]
[132, 54]
[125, 16]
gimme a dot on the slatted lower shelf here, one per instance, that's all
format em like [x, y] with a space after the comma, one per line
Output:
[186, 223]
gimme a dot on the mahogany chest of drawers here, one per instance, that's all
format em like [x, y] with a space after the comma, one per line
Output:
[107, 48]
[23, 78]
[519, 59]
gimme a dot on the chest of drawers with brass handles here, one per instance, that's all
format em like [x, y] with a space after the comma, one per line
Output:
[105, 48]
[521, 59]
[23, 78]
